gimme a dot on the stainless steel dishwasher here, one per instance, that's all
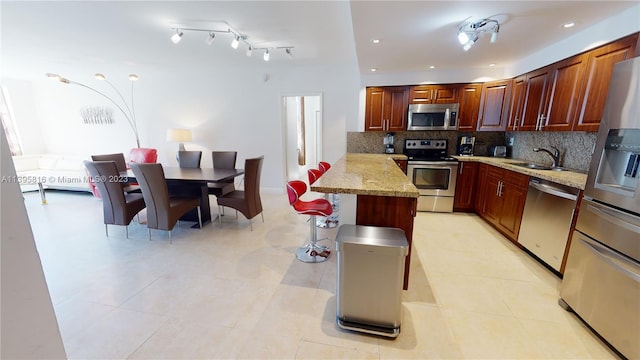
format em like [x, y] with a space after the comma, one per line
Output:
[546, 220]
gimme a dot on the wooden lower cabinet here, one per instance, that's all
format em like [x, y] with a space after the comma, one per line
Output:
[466, 186]
[402, 164]
[502, 196]
[397, 212]
[481, 196]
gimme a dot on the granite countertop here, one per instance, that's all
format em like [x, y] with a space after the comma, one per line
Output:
[366, 174]
[569, 178]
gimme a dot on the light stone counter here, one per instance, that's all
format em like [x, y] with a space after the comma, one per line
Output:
[569, 178]
[366, 174]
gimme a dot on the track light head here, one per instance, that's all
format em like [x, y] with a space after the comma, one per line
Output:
[266, 55]
[470, 43]
[235, 42]
[249, 51]
[177, 36]
[212, 36]
[463, 38]
[289, 53]
[494, 34]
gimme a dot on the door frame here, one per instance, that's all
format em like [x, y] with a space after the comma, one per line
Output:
[319, 127]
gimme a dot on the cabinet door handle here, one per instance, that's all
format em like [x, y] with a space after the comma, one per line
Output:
[460, 168]
[542, 120]
[500, 189]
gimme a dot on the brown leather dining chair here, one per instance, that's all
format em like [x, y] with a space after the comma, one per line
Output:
[246, 201]
[223, 160]
[189, 159]
[118, 208]
[163, 211]
[121, 165]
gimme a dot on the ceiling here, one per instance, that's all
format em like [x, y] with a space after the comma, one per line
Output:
[90, 36]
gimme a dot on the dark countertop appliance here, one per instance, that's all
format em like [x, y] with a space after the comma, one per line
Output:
[466, 145]
[433, 172]
[388, 144]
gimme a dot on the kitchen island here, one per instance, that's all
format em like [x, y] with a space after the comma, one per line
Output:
[382, 193]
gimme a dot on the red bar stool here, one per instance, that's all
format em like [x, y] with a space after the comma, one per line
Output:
[332, 220]
[311, 252]
[324, 166]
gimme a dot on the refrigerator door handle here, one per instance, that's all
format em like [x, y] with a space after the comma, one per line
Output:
[614, 217]
[611, 258]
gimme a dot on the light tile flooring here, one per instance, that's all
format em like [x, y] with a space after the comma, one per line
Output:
[234, 293]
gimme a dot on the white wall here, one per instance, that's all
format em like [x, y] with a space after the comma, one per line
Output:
[228, 109]
[22, 99]
[29, 326]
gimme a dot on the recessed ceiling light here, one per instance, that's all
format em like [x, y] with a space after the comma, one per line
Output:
[432, 66]
[375, 41]
[374, 69]
[568, 25]
[492, 65]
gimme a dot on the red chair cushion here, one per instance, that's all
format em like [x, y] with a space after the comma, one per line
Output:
[314, 174]
[324, 166]
[295, 189]
[143, 155]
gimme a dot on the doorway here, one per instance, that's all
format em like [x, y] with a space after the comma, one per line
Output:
[302, 134]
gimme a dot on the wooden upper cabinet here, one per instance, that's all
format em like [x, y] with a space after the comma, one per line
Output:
[494, 105]
[374, 116]
[397, 118]
[564, 87]
[517, 103]
[596, 83]
[535, 99]
[469, 106]
[433, 94]
[386, 108]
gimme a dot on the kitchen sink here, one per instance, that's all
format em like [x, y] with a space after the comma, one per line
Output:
[534, 166]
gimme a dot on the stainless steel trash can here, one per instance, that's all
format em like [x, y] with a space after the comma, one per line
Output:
[370, 275]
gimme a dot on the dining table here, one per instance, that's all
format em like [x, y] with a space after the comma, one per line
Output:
[193, 182]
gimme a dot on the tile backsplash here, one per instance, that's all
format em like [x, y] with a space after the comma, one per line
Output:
[575, 147]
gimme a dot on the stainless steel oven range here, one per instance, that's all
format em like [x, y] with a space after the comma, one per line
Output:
[433, 172]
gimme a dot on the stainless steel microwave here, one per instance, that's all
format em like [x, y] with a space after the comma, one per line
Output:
[433, 117]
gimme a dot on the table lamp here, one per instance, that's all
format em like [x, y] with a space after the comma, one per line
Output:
[180, 136]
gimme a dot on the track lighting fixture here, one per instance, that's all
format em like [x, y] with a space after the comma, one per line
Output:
[177, 36]
[223, 27]
[212, 36]
[469, 30]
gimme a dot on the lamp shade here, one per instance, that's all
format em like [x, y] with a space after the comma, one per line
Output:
[179, 135]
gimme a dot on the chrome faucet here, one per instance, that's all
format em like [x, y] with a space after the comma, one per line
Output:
[555, 155]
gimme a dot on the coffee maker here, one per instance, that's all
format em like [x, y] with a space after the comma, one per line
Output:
[465, 145]
[388, 144]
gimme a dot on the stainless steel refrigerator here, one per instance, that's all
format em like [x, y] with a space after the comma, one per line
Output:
[602, 276]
